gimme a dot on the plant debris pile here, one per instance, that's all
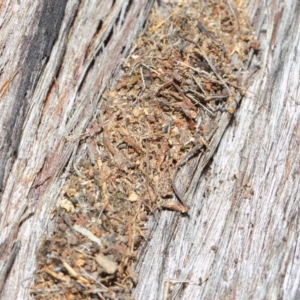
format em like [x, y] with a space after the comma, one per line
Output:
[182, 75]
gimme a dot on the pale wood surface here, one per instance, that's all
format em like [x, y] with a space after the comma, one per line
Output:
[56, 60]
[242, 235]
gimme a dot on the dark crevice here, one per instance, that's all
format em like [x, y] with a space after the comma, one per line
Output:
[100, 51]
[108, 38]
[123, 48]
[74, 15]
[144, 24]
[99, 26]
[118, 19]
[86, 73]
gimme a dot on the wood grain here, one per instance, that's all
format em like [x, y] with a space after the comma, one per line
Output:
[56, 60]
[241, 238]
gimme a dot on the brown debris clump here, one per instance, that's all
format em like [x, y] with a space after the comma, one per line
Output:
[183, 73]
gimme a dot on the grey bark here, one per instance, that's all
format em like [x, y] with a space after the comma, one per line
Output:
[56, 58]
[241, 240]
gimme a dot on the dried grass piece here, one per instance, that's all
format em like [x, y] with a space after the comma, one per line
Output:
[74, 274]
[87, 234]
[107, 264]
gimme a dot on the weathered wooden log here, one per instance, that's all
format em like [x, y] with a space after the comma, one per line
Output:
[56, 60]
[241, 239]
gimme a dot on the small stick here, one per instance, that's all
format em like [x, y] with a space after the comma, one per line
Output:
[201, 53]
[192, 98]
[242, 89]
[194, 69]
[184, 160]
[142, 75]
[198, 84]
[207, 33]
[207, 98]
[196, 93]
[149, 68]
[214, 97]
[167, 84]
